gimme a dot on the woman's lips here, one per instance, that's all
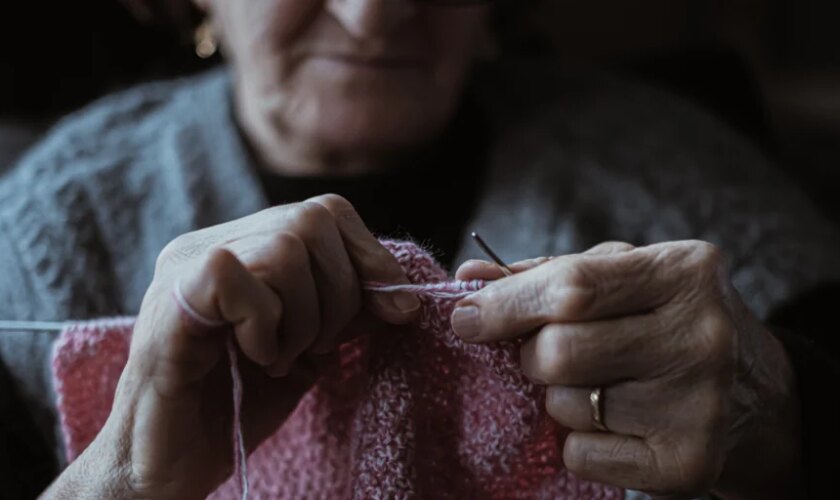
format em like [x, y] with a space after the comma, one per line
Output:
[384, 62]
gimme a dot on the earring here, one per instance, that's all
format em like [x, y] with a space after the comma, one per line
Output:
[205, 41]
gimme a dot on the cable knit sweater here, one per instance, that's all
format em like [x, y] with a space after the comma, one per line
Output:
[577, 159]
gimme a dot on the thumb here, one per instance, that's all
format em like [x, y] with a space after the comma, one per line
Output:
[488, 271]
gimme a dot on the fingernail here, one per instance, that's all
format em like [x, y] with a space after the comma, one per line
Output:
[465, 322]
[405, 302]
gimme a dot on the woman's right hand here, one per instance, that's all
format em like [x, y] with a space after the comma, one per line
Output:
[288, 281]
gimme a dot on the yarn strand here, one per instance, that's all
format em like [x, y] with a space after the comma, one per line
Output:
[240, 462]
[240, 456]
[443, 290]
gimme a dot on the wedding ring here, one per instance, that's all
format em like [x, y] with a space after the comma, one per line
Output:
[596, 400]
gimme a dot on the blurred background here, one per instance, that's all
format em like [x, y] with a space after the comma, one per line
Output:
[771, 68]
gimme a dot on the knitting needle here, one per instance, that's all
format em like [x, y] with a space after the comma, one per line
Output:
[33, 326]
[490, 253]
[54, 326]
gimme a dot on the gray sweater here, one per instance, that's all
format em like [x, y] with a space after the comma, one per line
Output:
[576, 160]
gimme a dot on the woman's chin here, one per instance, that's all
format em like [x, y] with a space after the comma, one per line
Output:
[373, 127]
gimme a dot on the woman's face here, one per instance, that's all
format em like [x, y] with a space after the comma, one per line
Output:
[375, 75]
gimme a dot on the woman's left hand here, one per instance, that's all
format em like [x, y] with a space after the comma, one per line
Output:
[697, 394]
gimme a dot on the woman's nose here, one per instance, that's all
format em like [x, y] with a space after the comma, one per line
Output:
[371, 18]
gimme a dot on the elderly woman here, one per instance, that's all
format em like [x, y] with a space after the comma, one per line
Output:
[390, 104]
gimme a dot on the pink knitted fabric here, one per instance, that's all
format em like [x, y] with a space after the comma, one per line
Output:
[414, 413]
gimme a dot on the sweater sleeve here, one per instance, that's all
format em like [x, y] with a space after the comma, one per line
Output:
[29, 450]
[49, 247]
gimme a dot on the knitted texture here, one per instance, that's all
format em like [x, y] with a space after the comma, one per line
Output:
[412, 413]
[576, 159]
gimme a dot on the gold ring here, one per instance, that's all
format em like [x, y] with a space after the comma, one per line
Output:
[596, 400]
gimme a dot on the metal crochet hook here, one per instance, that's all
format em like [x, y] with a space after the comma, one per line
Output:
[490, 253]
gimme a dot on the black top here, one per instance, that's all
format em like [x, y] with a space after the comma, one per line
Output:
[427, 197]
[807, 329]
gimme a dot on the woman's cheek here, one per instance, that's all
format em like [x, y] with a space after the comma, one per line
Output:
[255, 29]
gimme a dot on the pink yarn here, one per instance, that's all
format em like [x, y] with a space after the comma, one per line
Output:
[451, 290]
[196, 320]
[412, 413]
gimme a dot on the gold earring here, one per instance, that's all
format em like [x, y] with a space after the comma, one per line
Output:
[205, 41]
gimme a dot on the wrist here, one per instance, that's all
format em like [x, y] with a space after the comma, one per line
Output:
[145, 438]
[97, 473]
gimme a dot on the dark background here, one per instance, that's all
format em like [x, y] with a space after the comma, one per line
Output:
[769, 67]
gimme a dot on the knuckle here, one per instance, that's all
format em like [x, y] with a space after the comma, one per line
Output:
[575, 291]
[182, 248]
[186, 247]
[288, 246]
[335, 203]
[611, 247]
[715, 340]
[706, 256]
[309, 215]
[219, 264]
[576, 274]
[553, 356]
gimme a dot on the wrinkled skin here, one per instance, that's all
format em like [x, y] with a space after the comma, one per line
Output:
[332, 87]
[338, 86]
[696, 389]
[288, 281]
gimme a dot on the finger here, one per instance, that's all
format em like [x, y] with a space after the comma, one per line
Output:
[336, 281]
[609, 248]
[570, 289]
[282, 262]
[484, 270]
[373, 262]
[623, 461]
[222, 289]
[277, 251]
[675, 470]
[625, 408]
[601, 352]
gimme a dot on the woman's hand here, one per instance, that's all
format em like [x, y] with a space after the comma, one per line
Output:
[288, 281]
[696, 393]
